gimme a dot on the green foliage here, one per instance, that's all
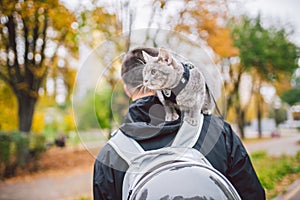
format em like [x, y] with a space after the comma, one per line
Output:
[271, 170]
[279, 115]
[13, 147]
[267, 50]
[259, 155]
[291, 96]
[86, 112]
[102, 109]
[21, 146]
[5, 141]
[37, 144]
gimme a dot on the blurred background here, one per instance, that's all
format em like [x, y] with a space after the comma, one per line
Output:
[61, 92]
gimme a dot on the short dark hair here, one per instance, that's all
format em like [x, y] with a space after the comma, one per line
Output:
[133, 64]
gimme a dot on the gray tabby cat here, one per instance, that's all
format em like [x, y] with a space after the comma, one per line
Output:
[164, 73]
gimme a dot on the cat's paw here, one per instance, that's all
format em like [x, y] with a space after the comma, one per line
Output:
[171, 116]
[206, 111]
[191, 121]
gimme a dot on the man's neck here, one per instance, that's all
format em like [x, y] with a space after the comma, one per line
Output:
[138, 96]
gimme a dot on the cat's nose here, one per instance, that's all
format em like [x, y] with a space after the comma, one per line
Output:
[145, 81]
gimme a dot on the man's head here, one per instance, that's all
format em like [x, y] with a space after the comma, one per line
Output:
[132, 68]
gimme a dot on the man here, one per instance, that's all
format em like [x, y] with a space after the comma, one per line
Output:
[145, 123]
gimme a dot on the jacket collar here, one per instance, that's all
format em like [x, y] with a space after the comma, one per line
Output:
[146, 119]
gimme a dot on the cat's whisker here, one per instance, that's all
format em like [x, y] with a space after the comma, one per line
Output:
[142, 90]
[132, 90]
[145, 90]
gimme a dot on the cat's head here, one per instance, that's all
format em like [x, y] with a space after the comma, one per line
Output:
[160, 72]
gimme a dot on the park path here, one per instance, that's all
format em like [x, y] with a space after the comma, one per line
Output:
[288, 144]
[72, 185]
[78, 183]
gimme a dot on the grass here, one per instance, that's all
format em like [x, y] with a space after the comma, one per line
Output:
[276, 173]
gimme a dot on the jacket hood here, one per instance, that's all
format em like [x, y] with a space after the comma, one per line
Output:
[145, 119]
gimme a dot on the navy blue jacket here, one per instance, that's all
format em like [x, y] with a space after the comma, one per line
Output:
[143, 122]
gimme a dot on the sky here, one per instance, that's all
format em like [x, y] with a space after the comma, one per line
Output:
[282, 11]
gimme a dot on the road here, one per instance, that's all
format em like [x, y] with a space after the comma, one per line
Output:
[289, 145]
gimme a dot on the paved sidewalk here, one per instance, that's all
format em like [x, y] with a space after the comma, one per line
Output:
[292, 193]
[288, 145]
[60, 186]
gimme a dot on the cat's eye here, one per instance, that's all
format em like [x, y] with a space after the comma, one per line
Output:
[153, 71]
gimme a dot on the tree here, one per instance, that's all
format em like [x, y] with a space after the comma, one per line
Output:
[31, 32]
[291, 96]
[266, 53]
[207, 20]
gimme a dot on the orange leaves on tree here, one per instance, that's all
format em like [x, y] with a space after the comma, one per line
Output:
[207, 20]
[222, 44]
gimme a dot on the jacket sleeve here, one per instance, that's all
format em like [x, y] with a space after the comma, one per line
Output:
[240, 169]
[109, 171]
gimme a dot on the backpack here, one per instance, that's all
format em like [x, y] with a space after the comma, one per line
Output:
[175, 172]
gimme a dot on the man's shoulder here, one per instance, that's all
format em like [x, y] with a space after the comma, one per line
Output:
[108, 156]
[216, 120]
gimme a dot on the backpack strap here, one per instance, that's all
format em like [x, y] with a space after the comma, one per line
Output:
[188, 135]
[126, 147]
[213, 134]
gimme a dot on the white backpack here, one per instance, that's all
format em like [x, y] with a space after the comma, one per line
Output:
[171, 173]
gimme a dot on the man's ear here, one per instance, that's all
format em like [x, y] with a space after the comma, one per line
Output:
[165, 56]
[147, 57]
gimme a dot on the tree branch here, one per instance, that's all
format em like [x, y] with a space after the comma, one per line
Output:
[44, 38]
[35, 34]
[7, 80]
[13, 45]
[26, 48]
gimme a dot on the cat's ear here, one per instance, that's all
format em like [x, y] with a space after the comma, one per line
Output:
[147, 57]
[165, 56]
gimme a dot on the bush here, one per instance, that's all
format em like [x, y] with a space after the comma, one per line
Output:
[271, 170]
[5, 141]
[17, 149]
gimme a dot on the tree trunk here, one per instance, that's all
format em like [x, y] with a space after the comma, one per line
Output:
[26, 105]
[241, 121]
[259, 128]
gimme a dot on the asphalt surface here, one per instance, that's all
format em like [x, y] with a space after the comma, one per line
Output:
[288, 145]
[65, 186]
